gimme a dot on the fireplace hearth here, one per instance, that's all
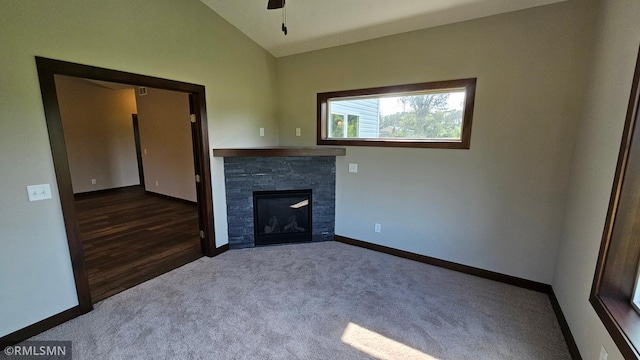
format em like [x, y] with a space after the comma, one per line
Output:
[282, 216]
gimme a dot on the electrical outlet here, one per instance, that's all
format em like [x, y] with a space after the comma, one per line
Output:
[93, 181]
[377, 228]
[261, 131]
[603, 353]
[156, 182]
[353, 168]
[297, 131]
[39, 192]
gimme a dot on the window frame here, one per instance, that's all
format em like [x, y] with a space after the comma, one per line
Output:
[469, 86]
[617, 262]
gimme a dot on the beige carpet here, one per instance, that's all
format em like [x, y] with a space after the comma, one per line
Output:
[316, 301]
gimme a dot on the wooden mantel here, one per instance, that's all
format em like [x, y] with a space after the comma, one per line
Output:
[280, 151]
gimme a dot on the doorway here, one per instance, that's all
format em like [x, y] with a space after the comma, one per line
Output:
[47, 69]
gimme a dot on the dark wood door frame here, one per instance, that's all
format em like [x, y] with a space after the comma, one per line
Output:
[136, 137]
[47, 69]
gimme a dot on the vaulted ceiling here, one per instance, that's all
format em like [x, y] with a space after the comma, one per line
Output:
[317, 24]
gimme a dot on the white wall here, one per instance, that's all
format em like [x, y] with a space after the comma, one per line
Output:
[599, 136]
[167, 147]
[498, 206]
[98, 133]
[179, 40]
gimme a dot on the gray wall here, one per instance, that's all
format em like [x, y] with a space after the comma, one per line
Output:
[199, 47]
[98, 133]
[595, 156]
[498, 206]
[167, 147]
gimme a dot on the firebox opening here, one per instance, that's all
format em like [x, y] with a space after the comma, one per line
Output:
[282, 216]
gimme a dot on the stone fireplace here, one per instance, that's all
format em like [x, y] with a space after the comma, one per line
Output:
[286, 170]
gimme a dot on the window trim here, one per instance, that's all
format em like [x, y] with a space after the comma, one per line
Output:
[617, 313]
[469, 85]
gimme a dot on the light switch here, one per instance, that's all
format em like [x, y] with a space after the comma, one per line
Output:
[39, 192]
[353, 168]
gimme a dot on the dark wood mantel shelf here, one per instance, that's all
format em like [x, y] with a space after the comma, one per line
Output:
[280, 151]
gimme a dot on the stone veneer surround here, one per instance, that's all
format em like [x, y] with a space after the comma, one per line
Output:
[244, 175]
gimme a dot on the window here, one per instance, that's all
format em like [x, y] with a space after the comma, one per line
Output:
[615, 292]
[352, 126]
[436, 114]
[338, 128]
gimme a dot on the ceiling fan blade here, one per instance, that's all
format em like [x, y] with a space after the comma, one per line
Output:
[275, 4]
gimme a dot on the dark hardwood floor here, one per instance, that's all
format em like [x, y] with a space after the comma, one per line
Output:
[130, 237]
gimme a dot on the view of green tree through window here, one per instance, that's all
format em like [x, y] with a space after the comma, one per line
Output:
[352, 129]
[418, 115]
[338, 128]
[436, 116]
[337, 125]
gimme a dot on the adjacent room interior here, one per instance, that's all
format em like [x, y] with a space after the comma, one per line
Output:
[523, 198]
[131, 230]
